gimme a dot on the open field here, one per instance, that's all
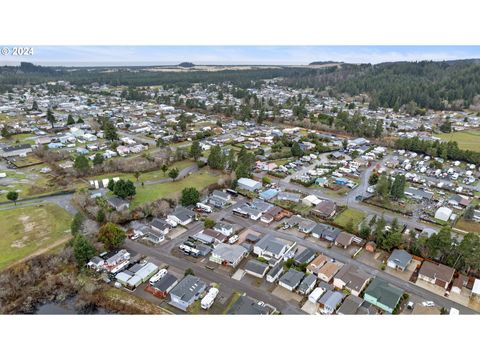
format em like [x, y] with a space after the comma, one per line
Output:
[349, 214]
[30, 229]
[31, 184]
[467, 140]
[146, 176]
[150, 193]
[469, 226]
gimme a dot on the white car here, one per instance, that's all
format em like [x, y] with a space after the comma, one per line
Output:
[158, 276]
[233, 239]
[371, 189]
[428, 303]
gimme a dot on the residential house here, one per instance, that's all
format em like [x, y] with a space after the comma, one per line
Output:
[457, 200]
[162, 287]
[383, 295]
[399, 260]
[248, 184]
[344, 239]
[248, 306]
[224, 228]
[291, 279]
[326, 209]
[328, 271]
[304, 256]
[186, 292]
[317, 231]
[288, 196]
[330, 301]
[317, 263]
[350, 305]
[160, 225]
[306, 226]
[437, 274]
[117, 203]
[209, 236]
[228, 255]
[219, 198]
[272, 247]
[182, 216]
[351, 278]
[256, 268]
[330, 233]
[15, 150]
[275, 272]
[96, 263]
[307, 284]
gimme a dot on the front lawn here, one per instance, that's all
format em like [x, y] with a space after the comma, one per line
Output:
[349, 214]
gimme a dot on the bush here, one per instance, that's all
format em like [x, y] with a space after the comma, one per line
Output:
[209, 223]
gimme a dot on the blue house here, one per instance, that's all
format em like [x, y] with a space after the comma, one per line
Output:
[268, 194]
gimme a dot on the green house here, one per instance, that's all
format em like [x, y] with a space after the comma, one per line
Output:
[383, 295]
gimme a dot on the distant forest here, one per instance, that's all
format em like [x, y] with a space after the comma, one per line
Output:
[434, 85]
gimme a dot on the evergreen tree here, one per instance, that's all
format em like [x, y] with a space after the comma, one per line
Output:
[216, 160]
[296, 150]
[101, 217]
[83, 250]
[81, 164]
[124, 188]
[398, 187]
[12, 196]
[196, 150]
[190, 196]
[50, 117]
[173, 173]
[98, 159]
[70, 120]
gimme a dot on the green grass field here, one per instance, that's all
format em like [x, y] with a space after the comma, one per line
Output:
[147, 176]
[344, 217]
[30, 229]
[467, 140]
[149, 193]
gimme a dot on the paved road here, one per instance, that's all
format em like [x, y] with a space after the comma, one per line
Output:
[63, 201]
[212, 276]
[334, 253]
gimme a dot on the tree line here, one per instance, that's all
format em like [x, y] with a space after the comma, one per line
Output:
[445, 150]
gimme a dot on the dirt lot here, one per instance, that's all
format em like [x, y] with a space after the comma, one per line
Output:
[373, 259]
[174, 233]
[286, 295]
[310, 307]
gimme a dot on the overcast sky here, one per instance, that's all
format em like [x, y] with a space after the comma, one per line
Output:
[270, 55]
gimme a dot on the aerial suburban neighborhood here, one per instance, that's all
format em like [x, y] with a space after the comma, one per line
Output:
[173, 190]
